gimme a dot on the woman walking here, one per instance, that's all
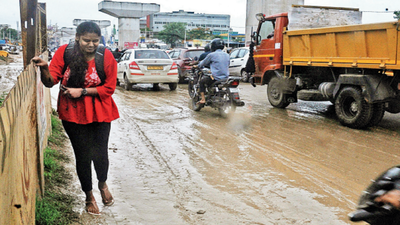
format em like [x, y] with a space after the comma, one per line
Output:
[85, 105]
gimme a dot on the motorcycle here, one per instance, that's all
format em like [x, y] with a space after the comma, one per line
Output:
[377, 213]
[222, 95]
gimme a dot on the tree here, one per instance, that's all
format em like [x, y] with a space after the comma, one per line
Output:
[8, 33]
[199, 33]
[172, 33]
[396, 15]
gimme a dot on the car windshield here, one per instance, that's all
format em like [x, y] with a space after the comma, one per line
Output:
[192, 54]
[150, 54]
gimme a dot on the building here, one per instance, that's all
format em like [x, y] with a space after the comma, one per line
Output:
[268, 7]
[217, 23]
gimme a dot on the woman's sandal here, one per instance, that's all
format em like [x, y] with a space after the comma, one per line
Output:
[106, 202]
[94, 204]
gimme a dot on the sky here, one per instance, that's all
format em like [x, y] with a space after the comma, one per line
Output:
[63, 12]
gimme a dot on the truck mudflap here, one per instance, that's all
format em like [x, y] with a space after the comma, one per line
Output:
[374, 87]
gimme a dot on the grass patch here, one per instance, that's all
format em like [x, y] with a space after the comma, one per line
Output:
[55, 207]
[3, 97]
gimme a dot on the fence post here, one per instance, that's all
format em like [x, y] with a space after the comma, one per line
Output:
[28, 28]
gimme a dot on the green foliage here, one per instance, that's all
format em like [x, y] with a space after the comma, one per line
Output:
[172, 33]
[199, 33]
[396, 15]
[9, 33]
[3, 97]
[57, 137]
[55, 207]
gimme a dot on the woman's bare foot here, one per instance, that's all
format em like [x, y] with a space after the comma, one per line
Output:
[106, 196]
[91, 205]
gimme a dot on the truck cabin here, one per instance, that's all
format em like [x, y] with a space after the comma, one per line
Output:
[268, 40]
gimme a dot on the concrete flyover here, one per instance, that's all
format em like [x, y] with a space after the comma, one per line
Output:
[128, 14]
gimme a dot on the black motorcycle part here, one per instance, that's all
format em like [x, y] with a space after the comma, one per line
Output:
[376, 213]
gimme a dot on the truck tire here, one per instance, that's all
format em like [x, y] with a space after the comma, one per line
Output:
[378, 112]
[275, 94]
[351, 108]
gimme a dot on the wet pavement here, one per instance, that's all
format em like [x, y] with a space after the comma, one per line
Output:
[172, 165]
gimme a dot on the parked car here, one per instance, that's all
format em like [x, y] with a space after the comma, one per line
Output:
[238, 59]
[152, 66]
[183, 57]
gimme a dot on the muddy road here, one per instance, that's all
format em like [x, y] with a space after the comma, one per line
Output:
[171, 165]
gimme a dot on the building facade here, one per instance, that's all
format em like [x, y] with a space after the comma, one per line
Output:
[268, 7]
[217, 23]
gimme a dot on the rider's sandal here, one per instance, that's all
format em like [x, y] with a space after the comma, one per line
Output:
[94, 204]
[106, 202]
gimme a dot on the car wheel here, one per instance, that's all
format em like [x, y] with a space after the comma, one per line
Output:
[173, 86]
[156, 87]
[244, 76]
[128, 85]
[180, 74]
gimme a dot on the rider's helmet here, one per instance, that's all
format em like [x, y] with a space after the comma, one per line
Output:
[207, 48]
[217, 43]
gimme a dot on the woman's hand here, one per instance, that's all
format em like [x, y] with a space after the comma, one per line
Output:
[45, 76]
[71, 92]
[39, 62]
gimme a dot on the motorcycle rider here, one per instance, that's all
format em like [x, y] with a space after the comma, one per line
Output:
[207, 51]
[219, 65]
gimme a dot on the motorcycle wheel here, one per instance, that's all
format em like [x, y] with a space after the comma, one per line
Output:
[195, 106]
[228, 107]
[195, 97]
[191, 89]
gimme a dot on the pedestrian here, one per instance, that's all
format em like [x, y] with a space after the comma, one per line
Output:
[85, 107]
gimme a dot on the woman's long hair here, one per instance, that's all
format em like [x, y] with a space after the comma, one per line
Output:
[78, 65]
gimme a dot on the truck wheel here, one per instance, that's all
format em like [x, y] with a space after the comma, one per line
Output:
[378, 112]
[275, 94]
[351, 108]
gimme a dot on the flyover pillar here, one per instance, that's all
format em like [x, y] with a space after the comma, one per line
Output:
[128, 14]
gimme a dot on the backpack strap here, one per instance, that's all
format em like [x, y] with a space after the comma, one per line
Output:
[68, 56]
[98, 60]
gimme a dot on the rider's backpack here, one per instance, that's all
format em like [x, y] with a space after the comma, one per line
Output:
[98, 60]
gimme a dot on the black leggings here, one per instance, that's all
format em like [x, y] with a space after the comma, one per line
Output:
[90, 143]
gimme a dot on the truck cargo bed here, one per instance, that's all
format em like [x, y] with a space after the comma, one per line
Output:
[373, 46]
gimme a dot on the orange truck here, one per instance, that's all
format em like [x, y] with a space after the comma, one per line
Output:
[356, 67]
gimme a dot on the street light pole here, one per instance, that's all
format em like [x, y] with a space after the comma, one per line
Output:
[184, 42]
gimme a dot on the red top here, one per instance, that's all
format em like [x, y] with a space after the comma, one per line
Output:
[87, 109]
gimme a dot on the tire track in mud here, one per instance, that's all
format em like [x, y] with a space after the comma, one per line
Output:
[189, 190]
[267, 166]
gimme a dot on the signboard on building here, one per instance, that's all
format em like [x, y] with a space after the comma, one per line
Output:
[131, 45]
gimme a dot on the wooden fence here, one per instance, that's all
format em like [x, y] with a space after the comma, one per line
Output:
[25, 124]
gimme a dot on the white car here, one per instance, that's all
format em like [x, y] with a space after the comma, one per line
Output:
[147, 66]
[238, 59]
